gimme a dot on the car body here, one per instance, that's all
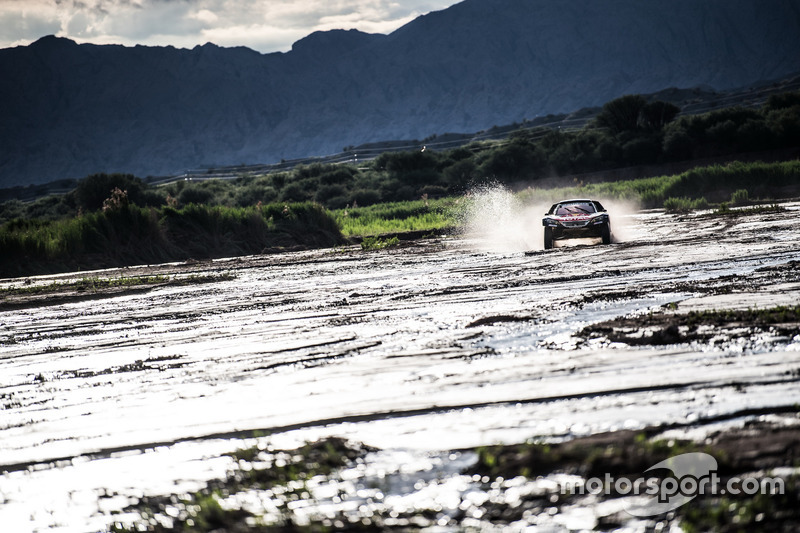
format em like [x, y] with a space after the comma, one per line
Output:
[578, 218]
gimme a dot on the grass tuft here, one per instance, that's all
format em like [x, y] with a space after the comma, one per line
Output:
[377, 243]
[684, 205]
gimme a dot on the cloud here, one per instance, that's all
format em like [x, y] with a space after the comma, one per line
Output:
[264, 25]
[16, 28]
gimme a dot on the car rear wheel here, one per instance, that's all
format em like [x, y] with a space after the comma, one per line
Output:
[548, 238]
[605, 233]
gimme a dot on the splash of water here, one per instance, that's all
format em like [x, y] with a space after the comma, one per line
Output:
[496, 220]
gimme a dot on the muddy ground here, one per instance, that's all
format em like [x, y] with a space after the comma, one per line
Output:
[421, 352]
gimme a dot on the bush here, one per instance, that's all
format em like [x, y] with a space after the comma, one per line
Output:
[295, 192]
[195, 195]
[326, 192]
[400, 163]
[517, 161]
[720, 181]
[278, 180]
[52, 207]
[684, 205]
[656, 115]
[364, 197]
[377, 243]
[130, 235]
[782, 101]
[740, 197]
[608, 151]
[93, 190]
[641, 150]
[338, 175]
[461, 173]
[622, 114]
[678, 144]
[433, 191]
[637, 133]
[254, 194]
[784, 124]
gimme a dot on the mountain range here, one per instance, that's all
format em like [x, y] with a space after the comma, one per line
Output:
[68, 110]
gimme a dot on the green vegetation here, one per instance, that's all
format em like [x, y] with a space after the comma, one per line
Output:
[757, 513]
[725, 210]
[129, 234]
[376, 243]
[740, 197]
[694, 189]
[761, 317]
[628, 131]
[624, 454]
[94, 284]
[396, 217]
[284, 473]
[123, 233]
[85, 284]
[118, 219]
[264, 488]
[684, 205]
[614, 453]
[711, 326]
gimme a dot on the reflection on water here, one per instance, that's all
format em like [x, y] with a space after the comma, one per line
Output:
[417, 351]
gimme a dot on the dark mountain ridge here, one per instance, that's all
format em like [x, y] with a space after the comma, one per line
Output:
[67, 110]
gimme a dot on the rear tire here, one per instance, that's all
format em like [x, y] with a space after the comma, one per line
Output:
[605, 233]
[548, 238]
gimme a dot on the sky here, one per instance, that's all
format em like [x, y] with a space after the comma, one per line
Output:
[263, 25]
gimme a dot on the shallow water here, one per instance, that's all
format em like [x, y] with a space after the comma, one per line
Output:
[417, 350]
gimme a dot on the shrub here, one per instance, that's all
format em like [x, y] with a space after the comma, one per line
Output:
[433, 191]
[740, 197]
[194, 195]
[364, 197]
[641, 150]
[295, 192]
[684, 205]
[405, 162]
[783, 101]
[656, 115]
[621, 114]
[279, 180]
[129, 235]
[255, 193]
[518, 160]
[461, 173]
[93, 190]
[338, 175]
[327, 192]
[677, 144]
[118, 200]
[720, 181]
[785, 125]
[377, 243]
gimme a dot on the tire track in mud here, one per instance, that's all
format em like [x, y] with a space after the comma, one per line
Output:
[389, 415]
[416, 340]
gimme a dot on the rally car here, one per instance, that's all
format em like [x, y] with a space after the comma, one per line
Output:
[572, 219]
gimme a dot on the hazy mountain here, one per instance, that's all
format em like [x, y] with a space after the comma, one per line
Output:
[67, 110]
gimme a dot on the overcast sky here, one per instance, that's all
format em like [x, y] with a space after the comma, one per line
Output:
[264, 25]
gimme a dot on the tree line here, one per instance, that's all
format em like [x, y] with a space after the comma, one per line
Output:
[627, 131]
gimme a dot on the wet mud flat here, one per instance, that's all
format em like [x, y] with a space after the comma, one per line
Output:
[411, 369]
